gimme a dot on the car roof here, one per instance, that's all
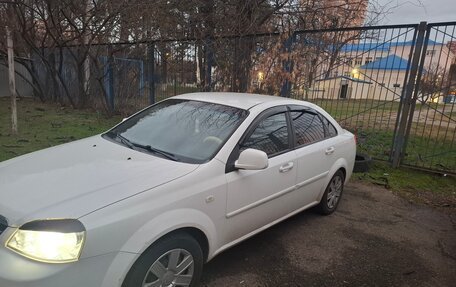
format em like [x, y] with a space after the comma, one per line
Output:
[239, 100]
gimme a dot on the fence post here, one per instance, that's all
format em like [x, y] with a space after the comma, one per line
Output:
[285, 90]
[111, 82]
[151, 50]
[417, 88]
[408, 99]
[141, 78]
[109, 79]
[12, 80]
[209, 58]
[175, 84]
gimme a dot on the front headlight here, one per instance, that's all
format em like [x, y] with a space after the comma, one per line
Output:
[52, 241]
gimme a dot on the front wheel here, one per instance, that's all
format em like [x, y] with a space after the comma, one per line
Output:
[332, 195]
[175, 261]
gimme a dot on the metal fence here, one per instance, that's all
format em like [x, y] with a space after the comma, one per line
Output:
[429, 139]
[394, 86]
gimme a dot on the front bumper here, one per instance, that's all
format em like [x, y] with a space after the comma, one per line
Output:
[106, 270]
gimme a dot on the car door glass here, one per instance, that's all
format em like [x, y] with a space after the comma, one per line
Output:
[270, 136]
[308, 127]
[330, 129]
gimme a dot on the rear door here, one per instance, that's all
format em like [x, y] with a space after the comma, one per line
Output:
[316, 147]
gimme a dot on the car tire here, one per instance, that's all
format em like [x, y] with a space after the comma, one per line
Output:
[362, 163]
[175, 259]
[333, 193]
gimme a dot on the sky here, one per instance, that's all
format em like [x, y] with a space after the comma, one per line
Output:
[414, 11]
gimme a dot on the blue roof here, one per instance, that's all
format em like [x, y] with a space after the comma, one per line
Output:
[383, 47]
[391, 62]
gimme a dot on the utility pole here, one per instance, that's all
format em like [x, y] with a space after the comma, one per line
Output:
[12, 80]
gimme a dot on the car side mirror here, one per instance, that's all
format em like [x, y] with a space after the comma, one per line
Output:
[252, 159]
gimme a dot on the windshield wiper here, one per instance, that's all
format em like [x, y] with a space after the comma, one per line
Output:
[148, 148]
[151, 149]
[124, 140]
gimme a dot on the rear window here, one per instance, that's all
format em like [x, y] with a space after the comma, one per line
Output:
[330, 129]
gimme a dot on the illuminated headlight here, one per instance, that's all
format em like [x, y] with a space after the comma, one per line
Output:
[52, 241]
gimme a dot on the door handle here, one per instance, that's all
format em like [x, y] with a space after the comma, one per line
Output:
[286, 167]
[330, 150]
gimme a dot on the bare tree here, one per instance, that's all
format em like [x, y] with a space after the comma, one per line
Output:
[68, 42]
[433, 84]
[58, 36]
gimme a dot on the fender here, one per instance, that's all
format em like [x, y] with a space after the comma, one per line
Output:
[168, 222]
[152, 231]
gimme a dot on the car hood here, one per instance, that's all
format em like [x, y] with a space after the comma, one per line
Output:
[71, 180]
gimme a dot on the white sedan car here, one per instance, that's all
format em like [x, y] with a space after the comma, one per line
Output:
[151, 200]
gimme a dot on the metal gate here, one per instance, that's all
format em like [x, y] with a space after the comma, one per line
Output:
[429, 117]
[359, 76]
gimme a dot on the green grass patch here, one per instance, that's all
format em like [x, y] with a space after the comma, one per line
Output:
[44, 125]
[418, 186]
[438, 154]
[341, 109]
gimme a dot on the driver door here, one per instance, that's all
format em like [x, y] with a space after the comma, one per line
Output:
[256, 198]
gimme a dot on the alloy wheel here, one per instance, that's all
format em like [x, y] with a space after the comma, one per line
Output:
[175, 268]
[334, 192]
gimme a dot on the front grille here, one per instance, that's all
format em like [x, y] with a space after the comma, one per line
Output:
[3, 224]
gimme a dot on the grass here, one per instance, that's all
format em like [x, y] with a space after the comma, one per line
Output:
[44, 125]
[422, 151]
[417, 186]
[341, 109]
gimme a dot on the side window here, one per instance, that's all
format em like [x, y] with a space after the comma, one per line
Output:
[270, 136]
[331, 130]
[308, 127]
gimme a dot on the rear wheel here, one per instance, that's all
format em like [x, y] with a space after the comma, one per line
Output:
[333, 193]
[174, 261]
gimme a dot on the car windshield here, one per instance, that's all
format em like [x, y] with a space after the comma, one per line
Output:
[181, 130]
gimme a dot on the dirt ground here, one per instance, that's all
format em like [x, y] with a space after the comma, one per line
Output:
[374, 239]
